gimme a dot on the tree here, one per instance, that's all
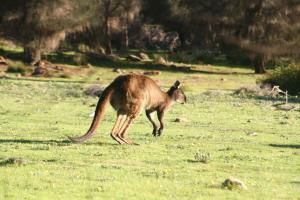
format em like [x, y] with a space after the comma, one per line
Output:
[265, 29]
[110, 8]
[196, 22]
[172, 14]
[259, 29]
[131, 10]
[40, 25]
[117, 16]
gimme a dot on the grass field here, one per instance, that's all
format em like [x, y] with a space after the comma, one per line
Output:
[245, 137]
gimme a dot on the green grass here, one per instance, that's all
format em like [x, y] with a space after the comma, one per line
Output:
[36, 114]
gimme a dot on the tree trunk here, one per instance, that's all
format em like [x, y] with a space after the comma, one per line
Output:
[125, 39]
[108, 48]
[182, 39]
[32, 55]
[107, 31]
[107, 37]
[259, 65]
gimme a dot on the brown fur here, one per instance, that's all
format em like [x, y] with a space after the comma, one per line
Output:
[129, 95]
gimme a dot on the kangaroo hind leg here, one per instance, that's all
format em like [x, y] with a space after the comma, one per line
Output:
[121, 118]
[123, 132]
[135, 111]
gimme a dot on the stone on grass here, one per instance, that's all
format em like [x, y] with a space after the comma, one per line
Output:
[181, 120]
[161, 60]
[94, 90]
[151, 73]
[3, 75]
[285, 107]
[234, 183]
[144, 56]
[118, 70]
[40, 71]
[252, 134]
[3, 61]
[133, 58]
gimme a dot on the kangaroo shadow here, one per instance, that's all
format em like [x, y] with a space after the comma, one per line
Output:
[291, 146]
[26, 141]
[295, 182]
[55, 142]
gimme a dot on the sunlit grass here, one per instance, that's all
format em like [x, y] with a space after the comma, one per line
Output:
[224, 135]
[36, 116]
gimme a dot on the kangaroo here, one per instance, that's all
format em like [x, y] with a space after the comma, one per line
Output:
[129, 95]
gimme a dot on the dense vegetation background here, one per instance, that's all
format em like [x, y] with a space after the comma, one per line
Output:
[255, 33]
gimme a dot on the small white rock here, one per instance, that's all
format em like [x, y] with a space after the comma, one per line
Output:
[252, 134]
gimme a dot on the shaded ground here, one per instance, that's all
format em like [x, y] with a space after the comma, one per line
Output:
[69, 58]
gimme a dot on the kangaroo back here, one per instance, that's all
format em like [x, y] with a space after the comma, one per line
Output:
[99, 114]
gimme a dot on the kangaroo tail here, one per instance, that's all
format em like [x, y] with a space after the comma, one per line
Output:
[99, 114]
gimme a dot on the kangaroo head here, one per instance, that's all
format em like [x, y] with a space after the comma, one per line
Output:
[176, 93]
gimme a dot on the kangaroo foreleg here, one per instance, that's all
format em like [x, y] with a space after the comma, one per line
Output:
[149, 115]
[160, 116]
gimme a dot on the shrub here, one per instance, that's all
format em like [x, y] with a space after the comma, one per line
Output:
[80, 59]
[286, 77]
[254, 90]
[16, 69]
[202, 157]
[13, 161]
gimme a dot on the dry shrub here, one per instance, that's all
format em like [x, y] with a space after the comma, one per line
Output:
[16, 69]
[202, 157]
[254, 90]
[13, 161]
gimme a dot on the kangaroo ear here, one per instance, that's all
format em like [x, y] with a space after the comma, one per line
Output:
[177, 84]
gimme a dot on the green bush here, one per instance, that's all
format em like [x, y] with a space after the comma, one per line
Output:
[80, 59]
[16, 69]
[287, 77]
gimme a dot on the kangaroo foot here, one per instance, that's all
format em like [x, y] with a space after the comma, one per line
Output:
[117, 139]
[159, 132]
[154, 132]
[128, 141]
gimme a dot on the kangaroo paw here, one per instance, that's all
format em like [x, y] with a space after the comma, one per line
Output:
[128, 141]
[120, 141]
[159, 133]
